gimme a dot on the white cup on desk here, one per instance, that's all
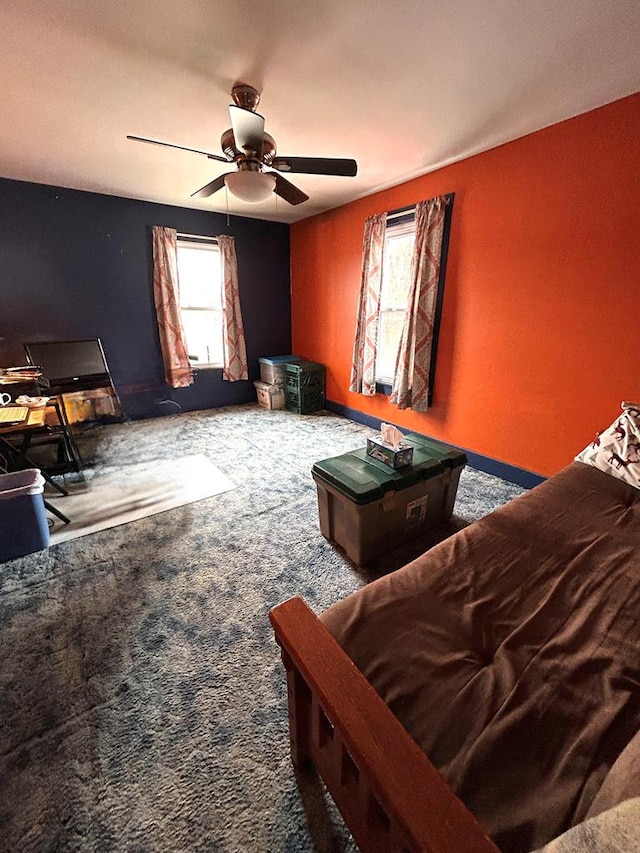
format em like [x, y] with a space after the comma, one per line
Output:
[5, 399]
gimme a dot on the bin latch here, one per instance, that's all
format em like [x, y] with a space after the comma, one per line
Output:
[388, 501]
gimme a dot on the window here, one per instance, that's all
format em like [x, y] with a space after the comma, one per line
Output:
[396, 279]
[383, 361]
[200, 284]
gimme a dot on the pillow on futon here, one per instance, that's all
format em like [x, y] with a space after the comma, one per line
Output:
[616, 450]
[613, 831]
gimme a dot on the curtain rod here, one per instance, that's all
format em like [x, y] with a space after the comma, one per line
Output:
[194, 236]
[401, 211]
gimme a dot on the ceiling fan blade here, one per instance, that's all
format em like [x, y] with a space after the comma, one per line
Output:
[316, 165]
[210, 188]
[181, 147]
[286, 190]
[248, 130]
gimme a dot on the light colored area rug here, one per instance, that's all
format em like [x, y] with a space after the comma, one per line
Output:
[113, 496]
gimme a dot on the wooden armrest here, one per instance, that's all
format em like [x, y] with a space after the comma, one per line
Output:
[390, 795]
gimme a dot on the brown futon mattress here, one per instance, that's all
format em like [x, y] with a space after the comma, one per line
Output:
[511, 651]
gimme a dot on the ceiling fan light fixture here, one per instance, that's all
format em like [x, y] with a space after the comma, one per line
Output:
[251, 187]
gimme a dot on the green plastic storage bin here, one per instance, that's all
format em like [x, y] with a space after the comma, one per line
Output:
[368, 508]
[304, 387]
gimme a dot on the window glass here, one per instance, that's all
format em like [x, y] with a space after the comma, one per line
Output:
[200, 283]
[396, 279]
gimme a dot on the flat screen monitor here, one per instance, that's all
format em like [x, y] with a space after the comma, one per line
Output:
[63, 361]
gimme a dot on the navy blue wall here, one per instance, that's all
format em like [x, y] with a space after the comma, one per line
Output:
[78, 265]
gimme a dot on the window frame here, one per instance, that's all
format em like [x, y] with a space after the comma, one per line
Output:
[210, 244]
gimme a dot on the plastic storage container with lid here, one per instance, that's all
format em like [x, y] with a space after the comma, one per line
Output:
[272, 367]
[368, 508]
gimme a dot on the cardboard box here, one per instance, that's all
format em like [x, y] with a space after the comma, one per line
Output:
[79, 407]
[269, 396]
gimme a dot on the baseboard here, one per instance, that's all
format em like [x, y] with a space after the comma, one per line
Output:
[510, 473]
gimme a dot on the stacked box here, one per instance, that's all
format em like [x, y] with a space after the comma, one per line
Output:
[272, 368]
[304, 387]
[366, 507]
[269, 396]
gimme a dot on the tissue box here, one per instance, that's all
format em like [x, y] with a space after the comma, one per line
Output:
[394, 458]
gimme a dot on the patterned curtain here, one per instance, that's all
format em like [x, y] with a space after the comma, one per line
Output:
[177, 370]
[363, 366]
[235, 352]
[411, 380]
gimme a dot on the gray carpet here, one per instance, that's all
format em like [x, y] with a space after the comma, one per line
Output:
[142, 700]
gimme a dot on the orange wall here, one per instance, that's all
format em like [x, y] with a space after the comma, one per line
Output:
[540, 334]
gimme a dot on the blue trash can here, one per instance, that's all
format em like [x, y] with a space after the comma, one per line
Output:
[23, 519]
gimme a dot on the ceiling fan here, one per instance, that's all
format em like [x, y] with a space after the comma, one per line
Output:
[247, 145]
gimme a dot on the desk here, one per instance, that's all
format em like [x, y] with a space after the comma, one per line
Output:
[37, 420]
[18, 454]
[98, 388]
[65, 430]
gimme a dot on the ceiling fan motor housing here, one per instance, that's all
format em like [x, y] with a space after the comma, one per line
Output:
[231, 151]
[245, 96]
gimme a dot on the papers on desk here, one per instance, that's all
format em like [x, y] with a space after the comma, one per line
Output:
[28, 373]
[13, 414]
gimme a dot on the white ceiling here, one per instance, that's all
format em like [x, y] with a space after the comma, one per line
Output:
[404, 87]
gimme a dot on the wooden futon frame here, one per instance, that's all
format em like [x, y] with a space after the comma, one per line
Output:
[390, 795]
